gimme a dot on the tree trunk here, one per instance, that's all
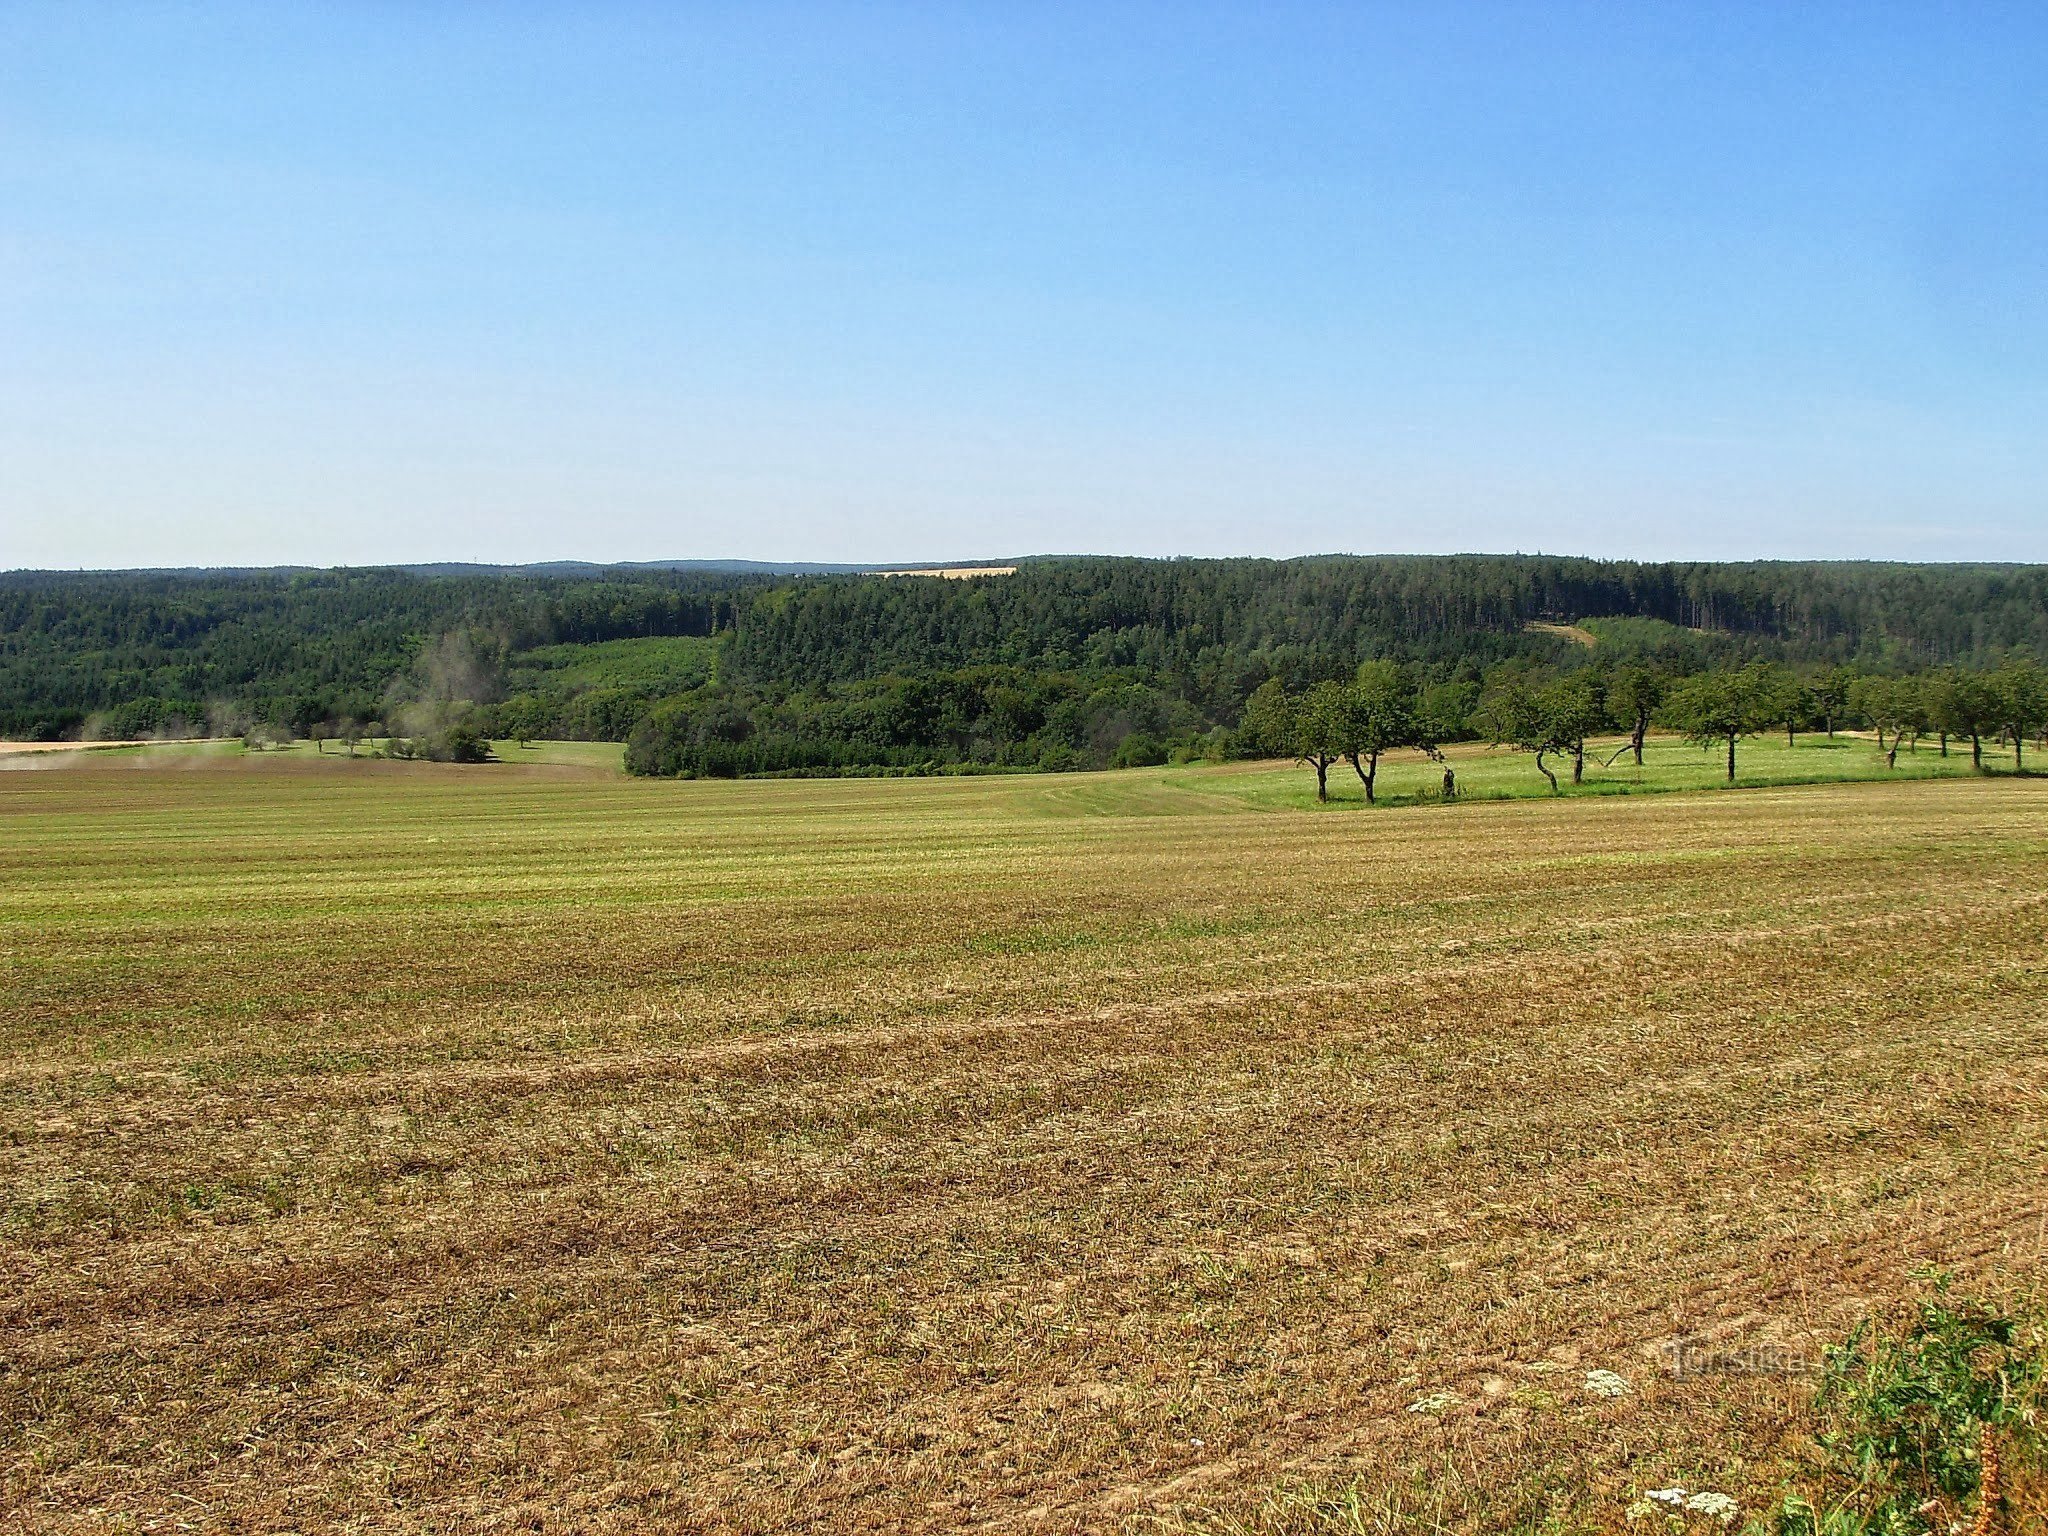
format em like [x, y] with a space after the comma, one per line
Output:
[1642, 730]
[1788, 735]
[1976, 752]
[1579, 764]
[1831, 725]
[1544, 769]
[1944, 743]
[1322, 779]
[1891, 758]
[1731, 757]
[1367, 766]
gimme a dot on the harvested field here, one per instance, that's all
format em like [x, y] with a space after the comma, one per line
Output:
[33, 748]
[400, 1148]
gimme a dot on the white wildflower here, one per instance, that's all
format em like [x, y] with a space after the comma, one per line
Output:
[1607, 1384]
[1675, 1497]
[1436, 1402]
[1717, 1506]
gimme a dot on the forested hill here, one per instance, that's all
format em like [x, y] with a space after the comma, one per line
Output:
[1161, 614]
[155, 650]
[591, 651]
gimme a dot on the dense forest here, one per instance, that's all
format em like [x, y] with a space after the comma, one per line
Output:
[1064, 662]
[130, 653]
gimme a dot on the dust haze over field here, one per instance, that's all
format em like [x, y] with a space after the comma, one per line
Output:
[400, 1148]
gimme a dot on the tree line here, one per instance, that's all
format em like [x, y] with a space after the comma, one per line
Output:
[1066, 663]
[1553, 714]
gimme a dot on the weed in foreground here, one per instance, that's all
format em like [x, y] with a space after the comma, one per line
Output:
[1932, 1429]
[1921, 1430]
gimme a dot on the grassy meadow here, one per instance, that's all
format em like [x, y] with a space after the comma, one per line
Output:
[1669, 763]
[398, 1147]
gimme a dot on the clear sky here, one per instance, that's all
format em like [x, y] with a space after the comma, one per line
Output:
[372, 283]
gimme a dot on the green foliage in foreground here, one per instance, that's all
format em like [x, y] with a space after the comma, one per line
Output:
[1922, 1427]
[1917, 1429]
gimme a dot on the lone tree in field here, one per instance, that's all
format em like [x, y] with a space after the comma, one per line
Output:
[1633, 694]
[1722, 707]
[1379, 716]
[2019, 703]
[1322, 728]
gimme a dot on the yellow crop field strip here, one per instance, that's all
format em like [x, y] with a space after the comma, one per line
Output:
[391, 1147]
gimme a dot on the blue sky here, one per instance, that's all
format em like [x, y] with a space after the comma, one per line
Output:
[365, 283]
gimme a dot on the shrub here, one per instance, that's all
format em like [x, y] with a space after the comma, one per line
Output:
[1915, 1426]
[456, 744]
[1138, 751]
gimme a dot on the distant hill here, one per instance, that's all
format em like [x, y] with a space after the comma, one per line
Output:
[537, 568]
[129, 652]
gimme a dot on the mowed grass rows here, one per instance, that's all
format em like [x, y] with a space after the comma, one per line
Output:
[399, 1148]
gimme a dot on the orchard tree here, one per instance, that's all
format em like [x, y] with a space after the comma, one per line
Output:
[1831, 695]
[1551, 719]
[1321, 729]
[1379, 716]
[1443, 712]
[1914, 720]
[1717, 708]
[1893, 705]
[2019, 704]
[1633, 694]
[1878, 701]
[1792, 702]
[1963, 704]
[1574, 710]
[1266, 728]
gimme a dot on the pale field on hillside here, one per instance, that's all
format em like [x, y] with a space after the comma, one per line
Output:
[956, 572]
[395, 1147]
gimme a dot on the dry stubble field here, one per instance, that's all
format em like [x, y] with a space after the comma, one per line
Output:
[397, 1148]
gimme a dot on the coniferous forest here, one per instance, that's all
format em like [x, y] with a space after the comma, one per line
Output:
[1070, 662]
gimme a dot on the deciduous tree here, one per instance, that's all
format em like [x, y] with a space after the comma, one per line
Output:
[1633, 694]
[2019, 697]
[1831, 695]
[1717, 708]
[1963, 704]
[1322, 726]
[1549, 719]
[1379, 716]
